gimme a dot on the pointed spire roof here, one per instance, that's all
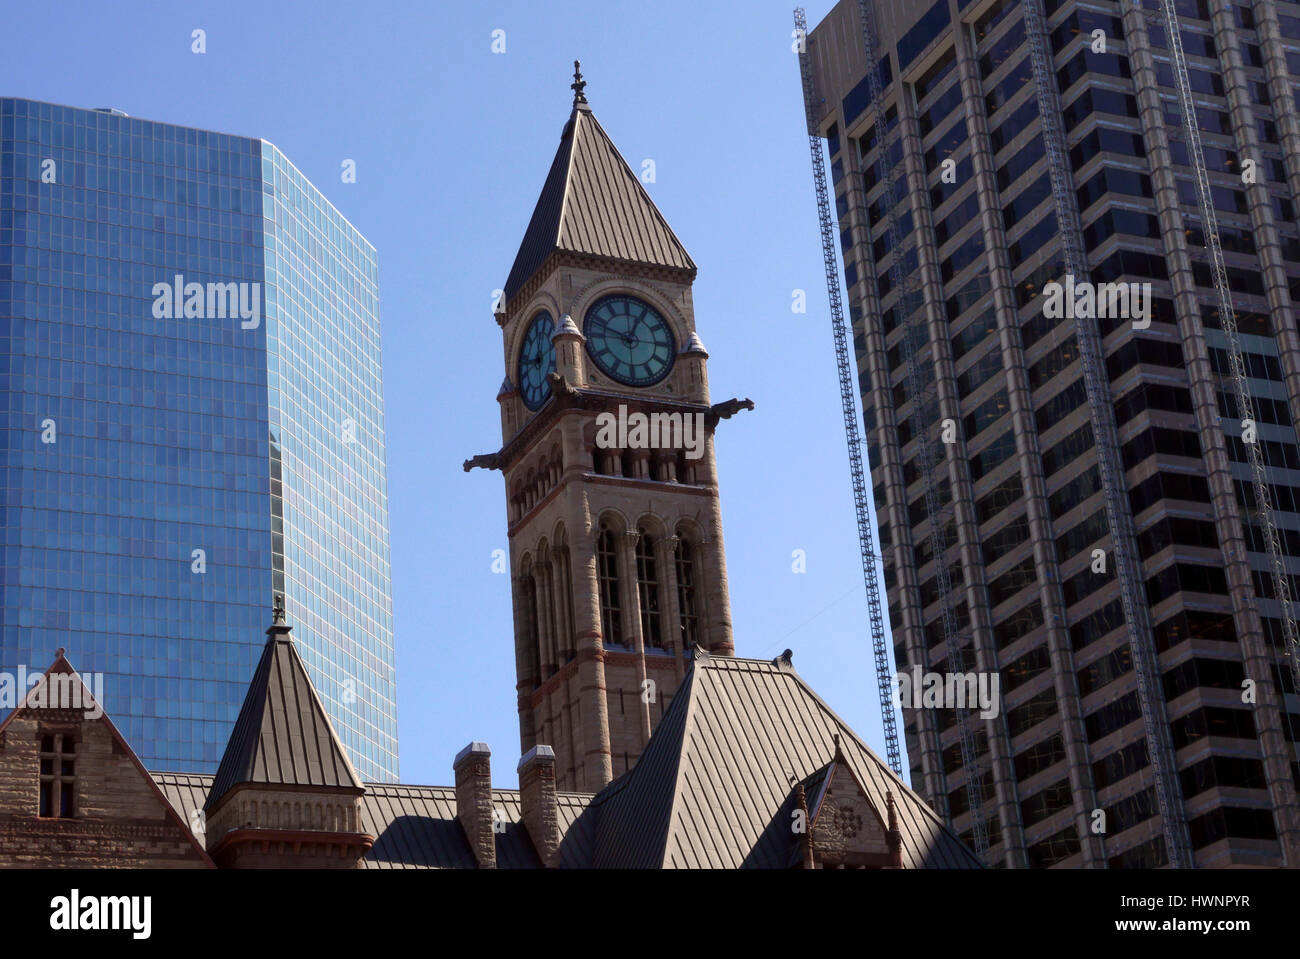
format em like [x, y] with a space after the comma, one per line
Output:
[283, 735]
[593, 204]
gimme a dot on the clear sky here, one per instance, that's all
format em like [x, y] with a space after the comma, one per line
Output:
[451, 143]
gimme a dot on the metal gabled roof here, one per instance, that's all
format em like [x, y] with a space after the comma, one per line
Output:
[283, 735]
[592, 203]
[187, 792]
[634, 813]
[415, 827]
[717, 774]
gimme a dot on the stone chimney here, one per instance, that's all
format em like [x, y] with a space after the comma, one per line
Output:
[540, 806]
[474, 801]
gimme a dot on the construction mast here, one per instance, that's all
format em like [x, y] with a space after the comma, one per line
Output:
[866, 545]
[927, 416]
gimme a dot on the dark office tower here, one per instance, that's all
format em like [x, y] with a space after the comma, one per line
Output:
[192, 411]
[1018, 132]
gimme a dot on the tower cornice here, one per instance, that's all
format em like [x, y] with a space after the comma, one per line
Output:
[613, 268]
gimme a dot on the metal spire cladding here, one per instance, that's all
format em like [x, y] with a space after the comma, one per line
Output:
[283, 735]
[593, 204]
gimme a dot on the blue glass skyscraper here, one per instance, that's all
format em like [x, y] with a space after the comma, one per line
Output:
[169, 461]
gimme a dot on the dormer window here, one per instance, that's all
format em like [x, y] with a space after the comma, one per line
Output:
[58, 776]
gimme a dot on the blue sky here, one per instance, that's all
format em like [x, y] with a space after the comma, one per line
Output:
[452, 143]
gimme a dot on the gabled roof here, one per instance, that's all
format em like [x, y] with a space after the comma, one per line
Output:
[717, 775]
[592, 203]
[283, 735]
[415, 826]
[715, 788]
[176, 816]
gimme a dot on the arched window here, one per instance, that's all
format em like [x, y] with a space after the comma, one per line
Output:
[611, 617]
[684, 557]
[647, 585]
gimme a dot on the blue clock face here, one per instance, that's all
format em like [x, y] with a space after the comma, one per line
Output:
[536, 360]
[629, 341]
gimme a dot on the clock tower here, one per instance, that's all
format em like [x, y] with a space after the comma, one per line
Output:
[618, 568]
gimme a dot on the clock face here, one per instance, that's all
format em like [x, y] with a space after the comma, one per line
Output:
[536, 360]
[629, 341]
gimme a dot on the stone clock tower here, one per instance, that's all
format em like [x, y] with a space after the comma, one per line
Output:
[619, 572]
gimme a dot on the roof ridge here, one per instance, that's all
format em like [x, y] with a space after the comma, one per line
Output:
[724, 661]
[572, 129]
[688, 724]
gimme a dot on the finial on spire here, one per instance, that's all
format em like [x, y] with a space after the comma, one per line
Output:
[279, 628]
[578, 84]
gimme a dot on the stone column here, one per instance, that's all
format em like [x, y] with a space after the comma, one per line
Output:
[632, 605]
[546, 659]
[715, 618]
[560, 592]
[674, 641]
[668, 467]
[524, 669]
[640, 463]
[596, 759]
